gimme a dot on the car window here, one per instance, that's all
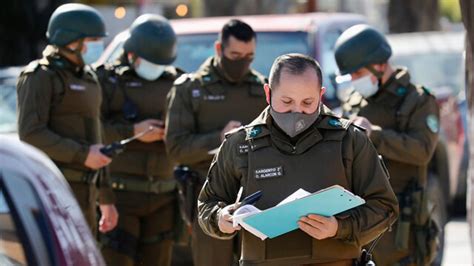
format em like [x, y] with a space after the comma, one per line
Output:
[7, 105]
[445, 71]
[194, 49]
[11, 248]
[328, 62]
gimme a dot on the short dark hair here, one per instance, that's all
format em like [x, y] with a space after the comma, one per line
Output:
[238, 29]
[294, 64]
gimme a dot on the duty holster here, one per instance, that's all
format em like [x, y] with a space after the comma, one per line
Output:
[188, 184]
[416, 220]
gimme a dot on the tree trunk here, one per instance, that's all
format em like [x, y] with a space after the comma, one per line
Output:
[467, 9]
[413, 15]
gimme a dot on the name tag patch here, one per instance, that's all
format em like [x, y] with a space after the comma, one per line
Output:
[243, 148]
[196, 93]
[214, 97]
[77, 87]
[269, 172]
[133, 84]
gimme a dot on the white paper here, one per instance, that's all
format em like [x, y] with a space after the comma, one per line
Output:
[300, 193]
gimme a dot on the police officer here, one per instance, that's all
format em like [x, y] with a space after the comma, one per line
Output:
[300, 144]
[134, 92]
[59, 107]
[401, 120]
[224, 93]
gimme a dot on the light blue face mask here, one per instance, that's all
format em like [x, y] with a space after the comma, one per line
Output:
[148, 70]
[93, 51]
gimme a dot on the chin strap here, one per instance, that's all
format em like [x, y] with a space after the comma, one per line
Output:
[76, 52]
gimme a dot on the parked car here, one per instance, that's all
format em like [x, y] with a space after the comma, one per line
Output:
[313, 34]
[8, 79]
[41, 223]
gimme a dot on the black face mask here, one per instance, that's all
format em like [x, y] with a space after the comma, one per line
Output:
[235, 69]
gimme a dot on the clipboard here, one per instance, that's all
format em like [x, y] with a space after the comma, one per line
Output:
[283, 218]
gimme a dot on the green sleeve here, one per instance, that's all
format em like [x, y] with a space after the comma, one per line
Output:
[184, 144]
[369, 181]
[417, 143]
[220, 189]
[35, 94]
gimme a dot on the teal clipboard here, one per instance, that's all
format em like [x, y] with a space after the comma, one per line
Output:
[281, 219]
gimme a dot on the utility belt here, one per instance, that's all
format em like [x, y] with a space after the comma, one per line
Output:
[416, 222]
[88, 177]
[132, 184]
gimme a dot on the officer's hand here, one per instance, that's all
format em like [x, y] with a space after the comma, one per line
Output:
[319, 227]
[363, 122]
[109, 217]
[96, 159]
[225, 220]
[231, 125]
[156, 134]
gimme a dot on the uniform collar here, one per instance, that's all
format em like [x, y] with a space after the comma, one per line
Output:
[53, 56]
[398, 82]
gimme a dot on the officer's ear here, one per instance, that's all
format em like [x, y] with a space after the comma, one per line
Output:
[267, 90]
[218, 48]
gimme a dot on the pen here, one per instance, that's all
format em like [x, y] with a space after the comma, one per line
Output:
[239, 195]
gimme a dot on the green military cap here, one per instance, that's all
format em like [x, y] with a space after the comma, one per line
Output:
[360, 46]
[71, 22]
[152, 38]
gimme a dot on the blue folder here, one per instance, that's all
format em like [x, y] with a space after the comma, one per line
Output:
[281, 219]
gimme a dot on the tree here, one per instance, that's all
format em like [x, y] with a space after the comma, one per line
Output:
[413, 15]
[467, 10]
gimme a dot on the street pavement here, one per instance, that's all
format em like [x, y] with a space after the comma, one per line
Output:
[457, 247]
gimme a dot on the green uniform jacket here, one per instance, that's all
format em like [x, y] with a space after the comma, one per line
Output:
[122, 87]
[200, 106]
[59, 112]
[409, 121]
[328, 153]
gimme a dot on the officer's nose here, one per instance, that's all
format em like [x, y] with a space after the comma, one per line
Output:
[297, 109]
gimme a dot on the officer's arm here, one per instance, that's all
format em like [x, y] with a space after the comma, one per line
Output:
[35, 94]
[368, 180]
[113, 130]
[220, 189]
[417, 144]
[183, 143]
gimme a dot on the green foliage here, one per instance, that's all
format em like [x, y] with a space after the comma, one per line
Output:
[450, 9]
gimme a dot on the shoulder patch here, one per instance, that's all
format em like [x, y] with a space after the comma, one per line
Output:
[432, 123]
[253, 132]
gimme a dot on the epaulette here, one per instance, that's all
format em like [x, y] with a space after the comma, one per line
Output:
[183, 79]
[233, 131]
[31, 67]
[427, 91]
[172, 72]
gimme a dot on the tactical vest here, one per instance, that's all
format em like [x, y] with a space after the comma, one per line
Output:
[75, 109]
[279, 173]
[149, 98]
[393, 112]
[215, 103]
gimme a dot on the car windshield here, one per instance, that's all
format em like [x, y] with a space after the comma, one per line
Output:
[194, 49]
[7, 105]
[435, 77]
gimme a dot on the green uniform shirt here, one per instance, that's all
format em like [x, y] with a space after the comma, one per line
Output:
[59, 112]
[328, 153]
[200, 106]
[122, 87]
[409, 120]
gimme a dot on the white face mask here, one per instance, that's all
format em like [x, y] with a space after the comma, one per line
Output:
[148, 70]
[365, 87]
